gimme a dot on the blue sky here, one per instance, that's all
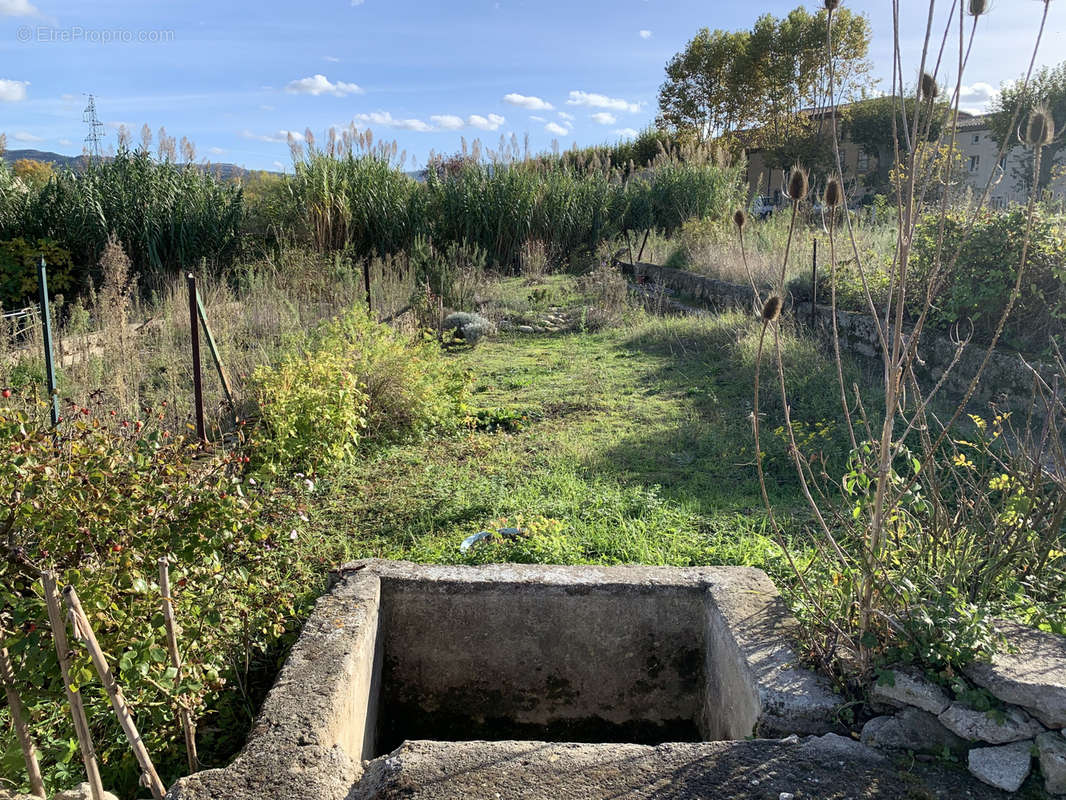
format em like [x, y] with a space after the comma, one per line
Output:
[234, 76]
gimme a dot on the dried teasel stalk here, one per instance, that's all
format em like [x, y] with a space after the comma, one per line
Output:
[832, 5]
[740, 218]
[1039, 130]
[929, 88]
[978, 7]
[798, 184]
[834, 193]
[771, 312]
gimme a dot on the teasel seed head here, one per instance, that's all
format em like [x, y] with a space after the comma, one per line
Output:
[1039, 128]
[797, 184]
[834, 193]
[740, 218]
[929, 88]
[978, 7]
[771, 312]
[832, 5]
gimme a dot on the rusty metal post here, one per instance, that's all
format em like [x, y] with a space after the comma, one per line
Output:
[814, 283]
[366, 283]
[197, 374]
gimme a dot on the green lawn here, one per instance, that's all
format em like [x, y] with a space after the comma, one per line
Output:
[636, 447]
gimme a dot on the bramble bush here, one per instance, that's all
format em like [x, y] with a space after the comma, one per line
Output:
[353, 379]
[980, 286]
[99, 501]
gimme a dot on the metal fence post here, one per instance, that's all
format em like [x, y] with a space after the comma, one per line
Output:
[814, 283]
[197, 375]
[46, 327]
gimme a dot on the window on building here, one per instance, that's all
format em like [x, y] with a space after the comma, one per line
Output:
[999, 202]
[976, 138]
[975, 162]
[863, 164]
[1003, 163]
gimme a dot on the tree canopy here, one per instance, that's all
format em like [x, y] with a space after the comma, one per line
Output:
[724, 82]
[1047, 88]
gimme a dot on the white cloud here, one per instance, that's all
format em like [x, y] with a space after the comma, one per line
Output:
[386, 119]
[564, 115]
[12, 91]
[556, 128]
[215, 151]
[490, 123]
[67, 98]
[645, 34]
[66, 142]
[626, 133]
[331, 59]
[358, 2]
[448, 122]
[26, 136]
[266, 108]
[17, 8]
[527, 102]
[281, 137]
[977, 98]
[603, 118]
[592, 100]
[279, 165]
[320, 84]
[536, 118]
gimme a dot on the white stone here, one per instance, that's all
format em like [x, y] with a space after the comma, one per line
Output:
[1031, 674]
[910, 689]
[1006, 767]
[1052, 747]
[1013, 726]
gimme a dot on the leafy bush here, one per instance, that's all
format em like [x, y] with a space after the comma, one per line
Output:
[979, 287]
[354, 378]
[313, 407]
[99, 502]
[18, 270]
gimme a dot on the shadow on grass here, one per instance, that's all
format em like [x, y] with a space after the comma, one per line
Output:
[705, 455]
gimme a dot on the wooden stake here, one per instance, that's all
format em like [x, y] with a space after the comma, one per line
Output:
[77, 710]
[84, 631]
[18, 721]
[188, 725]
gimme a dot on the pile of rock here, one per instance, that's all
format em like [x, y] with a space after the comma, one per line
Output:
[1028, 677]
[82, 792]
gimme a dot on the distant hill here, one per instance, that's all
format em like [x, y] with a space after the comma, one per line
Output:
[225, 171]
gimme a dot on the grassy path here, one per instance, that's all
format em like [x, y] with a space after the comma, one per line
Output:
[634, 445]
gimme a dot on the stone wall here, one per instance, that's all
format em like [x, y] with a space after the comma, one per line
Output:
[1006, 381]
[998, 742]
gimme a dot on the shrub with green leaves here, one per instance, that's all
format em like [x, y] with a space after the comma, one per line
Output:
[99, 502]
[18, 270]
[313, 408]
[354, 378]
[980, 285]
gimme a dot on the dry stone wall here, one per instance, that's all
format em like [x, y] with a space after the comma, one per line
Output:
[1006, 380]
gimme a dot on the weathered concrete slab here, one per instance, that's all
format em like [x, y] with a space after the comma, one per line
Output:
[1005, 767]
[315, 728]
[902, 688]
[817, 769]
[1033, 676]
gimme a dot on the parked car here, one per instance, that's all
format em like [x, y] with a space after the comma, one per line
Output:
[762, 207]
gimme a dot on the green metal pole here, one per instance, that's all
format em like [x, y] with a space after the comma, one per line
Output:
[46, 325]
